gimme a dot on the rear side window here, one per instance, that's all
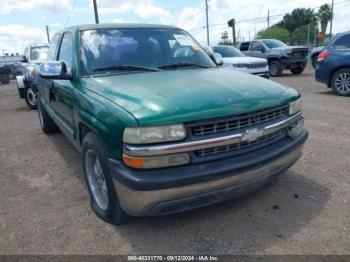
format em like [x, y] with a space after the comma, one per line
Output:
[53, 46]
[244, 46]
[66, 50]
[343, 42]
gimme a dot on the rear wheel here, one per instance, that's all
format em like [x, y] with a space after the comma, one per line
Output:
[297, 70]
[30, 97]
[103, 196]
[341, 82]
[5, 79]
[275, 68]
[314, 61]
[46, 122]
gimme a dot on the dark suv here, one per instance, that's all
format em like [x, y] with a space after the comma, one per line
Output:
[333, 67]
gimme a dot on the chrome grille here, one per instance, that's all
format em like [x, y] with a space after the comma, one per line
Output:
[235, 123]
[242, 145]
[257, 65]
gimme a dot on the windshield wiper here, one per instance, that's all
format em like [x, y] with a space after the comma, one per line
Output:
[127, 67]
[182, 64]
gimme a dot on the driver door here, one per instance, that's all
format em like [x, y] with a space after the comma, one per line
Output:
[63, 95]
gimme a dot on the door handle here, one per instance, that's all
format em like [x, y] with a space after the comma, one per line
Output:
[52, 92]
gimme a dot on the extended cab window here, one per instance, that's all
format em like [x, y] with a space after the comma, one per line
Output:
[53, 46]
[244, 46]
[66, 50]
[343, 42]
[105, 50]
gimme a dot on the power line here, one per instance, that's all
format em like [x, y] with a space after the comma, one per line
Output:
[256, 19]
[71, 13]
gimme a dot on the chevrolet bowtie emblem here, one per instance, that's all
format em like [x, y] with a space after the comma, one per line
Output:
[252, 135]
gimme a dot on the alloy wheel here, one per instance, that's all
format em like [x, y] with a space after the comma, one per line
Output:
[96, 180]
[31, 97]
[342, 83]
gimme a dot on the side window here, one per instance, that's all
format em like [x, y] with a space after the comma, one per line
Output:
[66, 50]
[53, 46]
[343, 42]
[256, 46]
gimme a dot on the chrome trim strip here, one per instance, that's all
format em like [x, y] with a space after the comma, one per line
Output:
[155, 150]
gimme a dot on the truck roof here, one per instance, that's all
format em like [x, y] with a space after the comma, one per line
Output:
[117, 25]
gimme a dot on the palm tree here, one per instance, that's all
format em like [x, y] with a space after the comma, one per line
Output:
[324, 15]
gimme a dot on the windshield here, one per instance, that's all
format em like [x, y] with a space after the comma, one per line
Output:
[274, 43]
[227, 51]
[39, 53]
[149, 48]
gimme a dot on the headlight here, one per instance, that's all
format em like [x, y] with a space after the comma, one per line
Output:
[154, 134]
[295, 107]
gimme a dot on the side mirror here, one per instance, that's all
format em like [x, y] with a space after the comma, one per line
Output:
[54, 70]
[218, 59]
[24, 59]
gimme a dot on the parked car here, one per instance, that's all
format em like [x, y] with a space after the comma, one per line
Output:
[235, 59]
[34, 55]
[279, 55]
[313, 56]
[333, 64]
[160, 127]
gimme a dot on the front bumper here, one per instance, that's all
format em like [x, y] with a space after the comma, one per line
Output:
[288, 63]
[171, 190]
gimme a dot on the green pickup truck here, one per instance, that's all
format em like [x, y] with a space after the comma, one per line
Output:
[161, 127]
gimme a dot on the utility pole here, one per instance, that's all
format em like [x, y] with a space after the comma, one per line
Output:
[96, 13]
[268, 18]
[232, 24]
[308, 36]
[331, 25]
[207, 18]
[315, 36]
[48, 34]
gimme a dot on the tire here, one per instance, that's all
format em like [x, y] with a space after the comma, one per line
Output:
[30, 97]
[297, 70]
[103, 196]
[340, 82]
[314, 61]
[5, 79]
[46, 122]
[275, 68]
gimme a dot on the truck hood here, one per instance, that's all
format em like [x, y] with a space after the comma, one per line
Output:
[243, 59]
[187, 95]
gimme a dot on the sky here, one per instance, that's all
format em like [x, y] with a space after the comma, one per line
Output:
[24, 21]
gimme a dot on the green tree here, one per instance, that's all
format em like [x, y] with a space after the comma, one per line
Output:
[324, 15]
[275, 32]
[297, 18]
[299, 36]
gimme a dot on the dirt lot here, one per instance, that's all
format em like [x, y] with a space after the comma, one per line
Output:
[44, 207]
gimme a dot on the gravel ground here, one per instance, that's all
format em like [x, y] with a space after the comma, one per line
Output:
[44, 207]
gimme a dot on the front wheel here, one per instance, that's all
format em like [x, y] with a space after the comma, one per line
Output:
[341, 82]
[275, 68]
[103, 196]
[30, 97]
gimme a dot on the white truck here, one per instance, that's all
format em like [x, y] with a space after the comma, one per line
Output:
[34, 55]
[236, 60]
